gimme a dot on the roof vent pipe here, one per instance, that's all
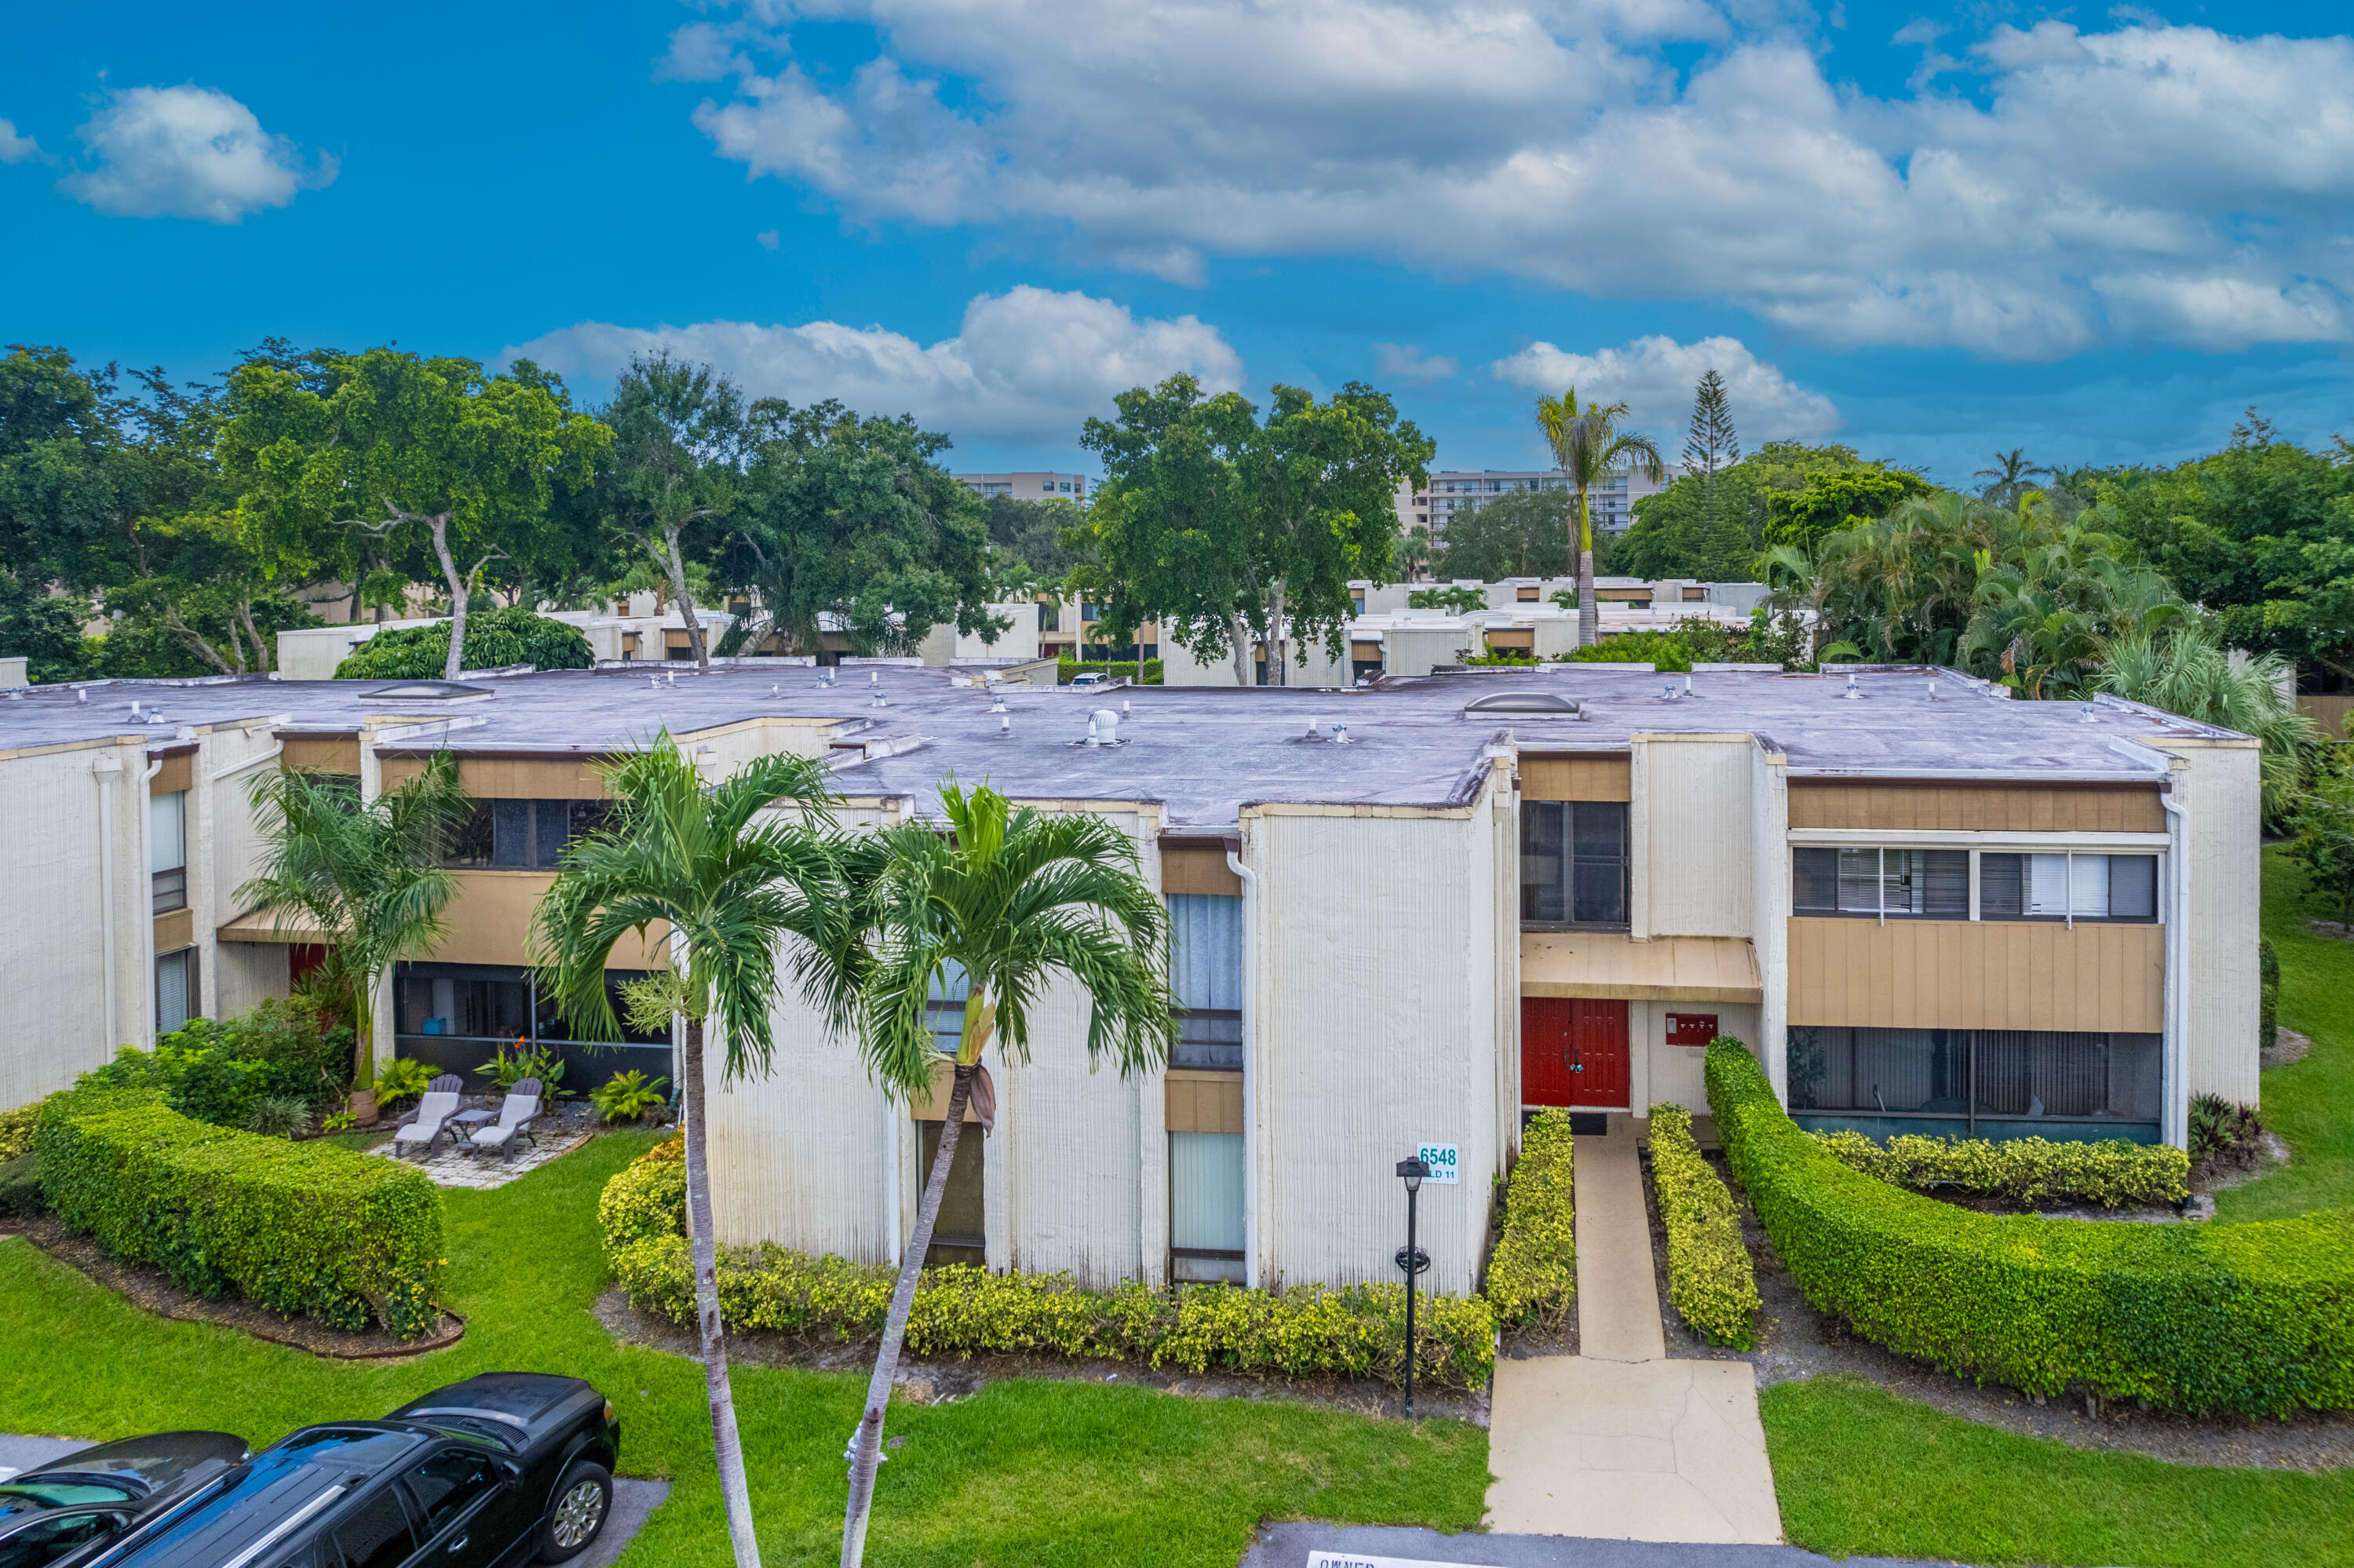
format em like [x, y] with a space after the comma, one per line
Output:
[1102, 729]
[1933, 688]
[997, 702]
[1851, 693]
[1004, 724]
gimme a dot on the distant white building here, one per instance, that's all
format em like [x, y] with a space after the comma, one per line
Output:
[1070, 487]
[1457, 490]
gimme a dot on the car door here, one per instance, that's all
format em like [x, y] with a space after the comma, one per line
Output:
[54, 1537]
[465, 1505]
[373, 1532]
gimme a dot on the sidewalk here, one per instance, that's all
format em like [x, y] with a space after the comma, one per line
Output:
[1618, 1442]
[1393, 1546]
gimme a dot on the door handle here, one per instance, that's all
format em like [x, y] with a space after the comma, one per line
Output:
[458, 1545]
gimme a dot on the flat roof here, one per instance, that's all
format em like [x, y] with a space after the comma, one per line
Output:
[1202, 751]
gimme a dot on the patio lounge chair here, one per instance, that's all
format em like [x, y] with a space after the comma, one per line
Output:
[430, 1120]
[517, 1112]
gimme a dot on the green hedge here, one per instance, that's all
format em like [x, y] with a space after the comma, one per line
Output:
[2034, 1172]
[1710, 1281]
[1306, 1331]
[217, 1069]
[16, 1130]
[304, 1229]
[1533, 1276]
[1067, 668]
[493, 637]
[20, 1188]
[2257, 1319]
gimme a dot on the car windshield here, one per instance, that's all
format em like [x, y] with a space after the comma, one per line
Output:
[31, 1497]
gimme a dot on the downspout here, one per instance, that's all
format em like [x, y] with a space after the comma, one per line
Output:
[1250, 1064]
[147, 859]
[108, 768]
[2177, 1129]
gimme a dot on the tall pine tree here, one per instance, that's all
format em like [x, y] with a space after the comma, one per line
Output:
[1712, 447]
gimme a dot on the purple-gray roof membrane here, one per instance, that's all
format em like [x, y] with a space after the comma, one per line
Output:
[1202, 752]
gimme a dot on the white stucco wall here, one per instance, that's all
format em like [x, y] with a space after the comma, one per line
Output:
[1377, 992]
[2220, 790]
[57, 952]
[1690, 820]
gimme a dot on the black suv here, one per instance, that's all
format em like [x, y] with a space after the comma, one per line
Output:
[482, 1474]
[76, 1504]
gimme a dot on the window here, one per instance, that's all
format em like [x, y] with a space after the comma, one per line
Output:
[1205, 970]
[1574, 862]
[49, 1540]
[1975, 1075]
[1932, 883]
[492, 1002]
[167, 850]
[448, 1484]
[944, 1009]
[375, 1534]
[522, 835]
[2067, 886]
[1205, 1206]
[175, 989]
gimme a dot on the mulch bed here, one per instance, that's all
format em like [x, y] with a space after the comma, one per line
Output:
[150, 1290]
[1795, 1342]
[942, 1382]
[2287, 1046]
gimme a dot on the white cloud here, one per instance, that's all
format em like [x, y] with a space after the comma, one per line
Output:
[1407, 362]
[1655, 376]
[2061, 204]
[1028, 364]
[187, 152]
[16, 149]
[770, 239]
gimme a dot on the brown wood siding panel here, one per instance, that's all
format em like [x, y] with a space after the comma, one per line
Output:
[1198, 871]
[173, 774]
[328, 754]
[1575, 778]
[1993, 974]
[511, 777]
[175, 930]
[1201, 1101]
[1947, 807]
[491, 917]
[1519, 640]
[2329, 713]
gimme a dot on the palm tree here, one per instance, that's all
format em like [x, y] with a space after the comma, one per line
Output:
[2190, 674]
[367, 879]
[2006, 481]
[732, 888]
[1011, 900]
[1586, 444]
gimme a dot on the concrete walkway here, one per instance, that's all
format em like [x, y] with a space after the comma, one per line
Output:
[1618, 1442]
[1396, 1546]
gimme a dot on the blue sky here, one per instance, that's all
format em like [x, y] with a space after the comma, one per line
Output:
[1930, 233]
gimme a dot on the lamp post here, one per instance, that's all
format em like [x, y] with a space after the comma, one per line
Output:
[1411, 1260]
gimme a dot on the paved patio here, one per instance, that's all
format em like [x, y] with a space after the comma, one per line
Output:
[455, 1167]
[1620, 1442]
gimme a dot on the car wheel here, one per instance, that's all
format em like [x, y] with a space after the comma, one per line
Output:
[575, 1517]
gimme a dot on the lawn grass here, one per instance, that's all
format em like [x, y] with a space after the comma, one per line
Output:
[2310, 1103]
[1861, 1471]
[1024, 1472]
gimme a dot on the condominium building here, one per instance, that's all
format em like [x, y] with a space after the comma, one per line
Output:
[1405, 916]
[1457, 490]
[1070, 487]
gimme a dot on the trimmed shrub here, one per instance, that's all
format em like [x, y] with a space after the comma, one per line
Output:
[1710, 1281]
[16, 1130]
[2255, 1319]
[1067, 668]
[2031, 1171]
[2269, 994]
[218, 1070]
[1533, 1273]
[20, 1189]
[304, 1229]
[494, 638]
[2224, 1137]
[1353, 1332]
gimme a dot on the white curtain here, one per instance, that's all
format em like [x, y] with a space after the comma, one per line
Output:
[1205, 1190]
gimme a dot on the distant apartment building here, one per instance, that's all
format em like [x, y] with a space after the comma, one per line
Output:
[1070, 487]
[1456, 491]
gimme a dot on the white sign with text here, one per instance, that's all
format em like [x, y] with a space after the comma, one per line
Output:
[1441, 1158]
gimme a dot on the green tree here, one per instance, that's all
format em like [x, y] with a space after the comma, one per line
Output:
[1047, 536]
[1524, 533]
[1672, 533]
[681, 437]
[1836, 499]
[1587, 446]
[2324, 822]
[1454, 596]
[367, 878]
[1322, 480]
[2007, 482]
[737, 885]
[1713, 446]
[1010, 901]
[389, 443]
[849, 518]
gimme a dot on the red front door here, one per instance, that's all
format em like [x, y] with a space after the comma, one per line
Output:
[1573, 1051]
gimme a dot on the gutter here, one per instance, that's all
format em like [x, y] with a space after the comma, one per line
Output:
[1250, 1060]
[2178, 962]
[147, 858]
[108, 769]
